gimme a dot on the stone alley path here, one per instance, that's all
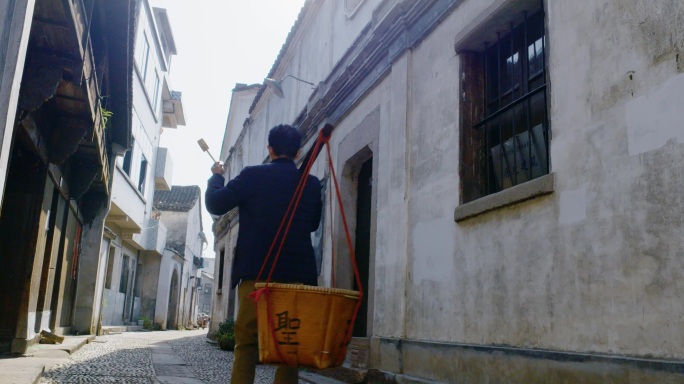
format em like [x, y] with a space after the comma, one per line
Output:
[168, 357]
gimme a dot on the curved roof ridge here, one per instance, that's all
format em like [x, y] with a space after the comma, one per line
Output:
[181, 198]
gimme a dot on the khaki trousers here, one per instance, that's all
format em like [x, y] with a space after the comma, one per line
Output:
[247, 343]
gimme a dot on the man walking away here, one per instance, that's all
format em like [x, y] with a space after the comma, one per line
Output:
[262, 194]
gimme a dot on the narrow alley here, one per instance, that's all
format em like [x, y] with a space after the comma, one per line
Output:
[389, 191]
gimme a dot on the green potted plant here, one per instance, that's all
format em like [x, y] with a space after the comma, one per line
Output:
[225, 335]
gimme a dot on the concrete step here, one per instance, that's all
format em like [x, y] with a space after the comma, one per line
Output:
[21, 370]
[70, 345]
[27, 369]
[116, 329]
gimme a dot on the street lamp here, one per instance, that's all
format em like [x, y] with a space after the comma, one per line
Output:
[277, 87]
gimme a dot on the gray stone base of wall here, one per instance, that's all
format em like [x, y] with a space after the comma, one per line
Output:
[407, 361]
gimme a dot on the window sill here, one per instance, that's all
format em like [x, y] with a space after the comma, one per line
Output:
[538, 187]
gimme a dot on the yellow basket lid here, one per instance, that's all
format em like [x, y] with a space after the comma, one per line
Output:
[309, 288]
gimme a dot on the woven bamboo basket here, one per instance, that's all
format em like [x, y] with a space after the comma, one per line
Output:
[309, 323]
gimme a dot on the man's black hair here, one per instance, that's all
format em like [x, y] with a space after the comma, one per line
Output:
[285, 140]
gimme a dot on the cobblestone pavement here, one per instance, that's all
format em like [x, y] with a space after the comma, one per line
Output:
[132, 358]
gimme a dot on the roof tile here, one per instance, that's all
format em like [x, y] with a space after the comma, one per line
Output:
[179, 199]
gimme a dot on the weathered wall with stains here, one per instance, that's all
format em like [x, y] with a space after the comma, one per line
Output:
[177, 225]
[240, 101]
[193, 238]
[323, 35]
[594, 266]
[616, 251]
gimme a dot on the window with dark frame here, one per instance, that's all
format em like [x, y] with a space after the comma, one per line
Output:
[128, 158]
[143, 175]
[123, 281]
[142, 59]
[110, 268]
[505, 133]
[222, 256]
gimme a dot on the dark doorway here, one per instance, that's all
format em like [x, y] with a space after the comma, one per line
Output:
[172, 313]
[363, 241]
[19, 221]
[123, 284]
[60, 279]
[231, 294]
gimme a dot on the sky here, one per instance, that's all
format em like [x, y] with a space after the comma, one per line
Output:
[219, 43]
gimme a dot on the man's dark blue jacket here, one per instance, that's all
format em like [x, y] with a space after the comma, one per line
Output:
[263, 193]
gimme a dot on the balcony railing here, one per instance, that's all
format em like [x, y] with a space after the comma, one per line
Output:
[82, 27]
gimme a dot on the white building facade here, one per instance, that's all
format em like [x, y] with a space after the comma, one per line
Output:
[135, 239]
[177, 305]
[512, 174]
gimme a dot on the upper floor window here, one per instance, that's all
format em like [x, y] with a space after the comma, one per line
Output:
[143, 56]
[143, 175]
[128, 158]
[504, 122]
[155, 91]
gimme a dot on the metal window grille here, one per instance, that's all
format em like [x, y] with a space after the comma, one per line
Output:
[515, 126]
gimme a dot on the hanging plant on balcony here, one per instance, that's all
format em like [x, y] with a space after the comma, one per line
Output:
[106, 114]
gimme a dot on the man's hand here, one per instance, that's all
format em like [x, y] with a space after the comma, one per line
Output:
[217, 168]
